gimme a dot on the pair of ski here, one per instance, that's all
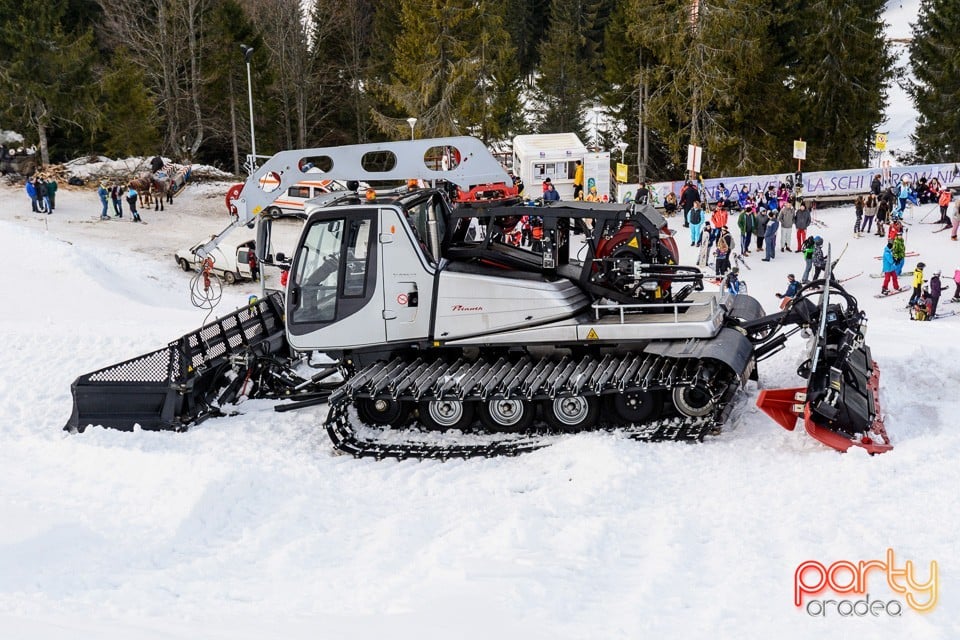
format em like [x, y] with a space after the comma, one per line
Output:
[881, 275]
[893, 292]
[908, 254]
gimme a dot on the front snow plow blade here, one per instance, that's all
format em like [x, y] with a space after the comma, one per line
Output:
[840, 405]
[175, 386]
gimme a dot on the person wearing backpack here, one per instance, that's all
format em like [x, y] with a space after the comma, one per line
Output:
[694, 220]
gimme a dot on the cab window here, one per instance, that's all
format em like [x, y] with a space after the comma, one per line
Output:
[318, 272]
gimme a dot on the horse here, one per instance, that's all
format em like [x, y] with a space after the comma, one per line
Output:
[153, 190]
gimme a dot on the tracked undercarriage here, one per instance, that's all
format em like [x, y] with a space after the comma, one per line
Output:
[487, 328]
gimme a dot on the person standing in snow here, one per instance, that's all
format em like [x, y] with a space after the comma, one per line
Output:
[132, 196]
[694, 220]
[883, 213]
[746, 221]
[770, 236]
[102, 193]
[889, 270]
[115, 196]
[869, 212]
[807, 252]
[956, 292]
[578, 181]
[936, 289]
[31, 188]
[688, 195]
[801, 221]
[858, 212]
[52, 194]
[762, 221]
[819, 259]
[787, 215]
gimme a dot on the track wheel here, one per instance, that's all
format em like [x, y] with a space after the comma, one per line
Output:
[390, 413]
[573, 413]
[634, 407]
[440, 415]
[693, 401]
[506, 414]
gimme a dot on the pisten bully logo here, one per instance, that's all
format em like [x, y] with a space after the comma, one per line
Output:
[460, 307]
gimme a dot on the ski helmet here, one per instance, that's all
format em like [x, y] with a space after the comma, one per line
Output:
[921, 265]
[817, 240]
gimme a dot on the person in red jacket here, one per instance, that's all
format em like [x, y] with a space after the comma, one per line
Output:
[944, 202]
[718, 220]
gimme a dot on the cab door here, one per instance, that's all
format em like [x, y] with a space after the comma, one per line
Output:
[334, 297]
[407, 271]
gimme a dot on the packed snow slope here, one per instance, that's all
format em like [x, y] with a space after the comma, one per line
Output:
[251, 526]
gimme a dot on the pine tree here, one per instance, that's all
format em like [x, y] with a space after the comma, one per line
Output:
[129, 111]
[564, 81]
[707, 72]
[442, 55]
[47, 75]
[935, 81]
[838, 79]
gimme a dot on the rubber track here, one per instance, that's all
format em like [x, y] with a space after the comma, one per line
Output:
[480, 380]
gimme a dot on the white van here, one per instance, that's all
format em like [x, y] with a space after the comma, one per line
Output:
[231, 262]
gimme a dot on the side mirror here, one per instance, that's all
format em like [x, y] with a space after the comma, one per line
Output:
[281, 256]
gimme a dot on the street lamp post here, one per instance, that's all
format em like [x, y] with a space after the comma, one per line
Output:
[247, 54]
[596, 125]
[623, 150]
[412, 122]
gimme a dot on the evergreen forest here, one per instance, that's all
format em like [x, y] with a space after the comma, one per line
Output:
[741, 78]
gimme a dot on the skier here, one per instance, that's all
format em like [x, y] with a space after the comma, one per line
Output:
[956, 293]
[132, 196]
[899, 252]
[889, 270]
[793, 287]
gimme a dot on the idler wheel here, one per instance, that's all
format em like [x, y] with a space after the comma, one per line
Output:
[693, 401]
[382, 412]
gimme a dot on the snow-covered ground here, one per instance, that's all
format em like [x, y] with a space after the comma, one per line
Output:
[251, 526]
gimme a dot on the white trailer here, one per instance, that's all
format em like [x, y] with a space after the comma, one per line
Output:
[537, 157]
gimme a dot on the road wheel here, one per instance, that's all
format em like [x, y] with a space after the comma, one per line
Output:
[388, 413]
[573, 413]
[229, 277]
[510, 415]
[440, 415]
[634, 407]
[184, 264]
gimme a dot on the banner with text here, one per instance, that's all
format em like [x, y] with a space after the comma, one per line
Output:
[816, 184]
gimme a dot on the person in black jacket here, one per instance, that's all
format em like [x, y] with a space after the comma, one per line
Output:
[688, 195]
